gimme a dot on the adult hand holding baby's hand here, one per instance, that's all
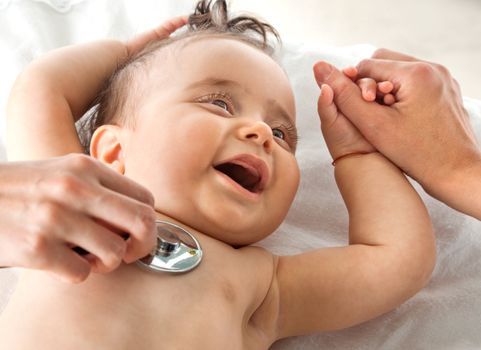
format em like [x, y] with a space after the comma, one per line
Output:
[426, 131]
[341, 136]
[49, 207]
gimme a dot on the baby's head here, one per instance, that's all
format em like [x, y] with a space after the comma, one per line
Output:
[206, 121]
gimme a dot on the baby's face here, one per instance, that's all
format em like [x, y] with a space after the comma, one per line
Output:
[214, 139]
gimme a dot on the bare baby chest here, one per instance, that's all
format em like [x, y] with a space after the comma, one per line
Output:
[208, 308]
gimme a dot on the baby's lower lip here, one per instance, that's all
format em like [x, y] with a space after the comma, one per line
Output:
[246, 193]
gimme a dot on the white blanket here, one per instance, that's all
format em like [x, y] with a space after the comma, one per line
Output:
[445, 315]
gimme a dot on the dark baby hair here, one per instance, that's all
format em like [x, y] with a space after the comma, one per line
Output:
[210, 18]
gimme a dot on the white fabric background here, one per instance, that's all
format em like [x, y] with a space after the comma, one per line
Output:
[445, 315]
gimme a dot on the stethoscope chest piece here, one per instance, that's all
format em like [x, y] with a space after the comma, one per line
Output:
[177, 250]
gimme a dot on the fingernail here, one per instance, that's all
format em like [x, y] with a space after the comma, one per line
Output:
[323, 70]
[322, 89]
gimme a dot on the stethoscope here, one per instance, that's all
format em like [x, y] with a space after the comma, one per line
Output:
[177, 250]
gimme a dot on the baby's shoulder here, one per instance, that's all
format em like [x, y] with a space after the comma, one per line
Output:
[244, 274]
[260, 268]
[256, 261]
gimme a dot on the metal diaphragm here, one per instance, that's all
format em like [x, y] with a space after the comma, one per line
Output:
[177, 250]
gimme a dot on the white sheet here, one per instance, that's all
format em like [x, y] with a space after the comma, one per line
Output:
[445, 315]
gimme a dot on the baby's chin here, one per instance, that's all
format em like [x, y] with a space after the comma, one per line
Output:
[228, 234]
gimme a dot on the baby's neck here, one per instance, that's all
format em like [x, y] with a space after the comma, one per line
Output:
[163, 217]
[200, 236]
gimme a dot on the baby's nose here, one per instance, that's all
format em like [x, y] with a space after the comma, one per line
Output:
[258, 132]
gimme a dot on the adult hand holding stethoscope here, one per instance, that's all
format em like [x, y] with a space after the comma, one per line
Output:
[51, 210]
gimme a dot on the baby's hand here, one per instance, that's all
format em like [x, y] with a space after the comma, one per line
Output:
[163, 31]
[381, 92]
[341, 136]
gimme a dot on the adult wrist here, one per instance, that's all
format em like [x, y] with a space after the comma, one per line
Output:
[460, 188]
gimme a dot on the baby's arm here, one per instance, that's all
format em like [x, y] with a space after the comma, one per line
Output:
[391, 253]
[54, 91]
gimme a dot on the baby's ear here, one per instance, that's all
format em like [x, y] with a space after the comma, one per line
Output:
[106, 146]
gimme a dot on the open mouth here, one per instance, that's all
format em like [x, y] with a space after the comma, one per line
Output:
[249, 172]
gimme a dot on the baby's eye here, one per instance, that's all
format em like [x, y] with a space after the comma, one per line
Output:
[219, 99]
[221, 103]
[286, 136]
[278, 133]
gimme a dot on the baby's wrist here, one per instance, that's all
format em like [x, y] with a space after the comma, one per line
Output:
[350, 155]
[360, 164]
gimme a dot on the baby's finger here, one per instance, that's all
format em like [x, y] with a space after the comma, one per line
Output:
[368, 88]
[325, 107]
[348, 99]
[350, 72]
[389, 99]
[385, 87]
[163, 31]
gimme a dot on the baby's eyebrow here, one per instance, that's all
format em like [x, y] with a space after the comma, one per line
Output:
[212, 81]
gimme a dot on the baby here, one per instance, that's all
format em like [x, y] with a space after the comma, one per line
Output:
[206, 121]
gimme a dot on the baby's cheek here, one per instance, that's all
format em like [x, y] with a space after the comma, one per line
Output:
[295, 178]
[288, 180]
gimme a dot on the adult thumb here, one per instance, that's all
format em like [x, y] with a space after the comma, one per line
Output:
[368, 117]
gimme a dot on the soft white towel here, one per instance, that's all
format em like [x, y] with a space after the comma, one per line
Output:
[445, 315]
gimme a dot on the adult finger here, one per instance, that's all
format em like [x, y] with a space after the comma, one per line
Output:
[386, 54]
[368, 117]
[97, 200]
[69, 266]
[108, 247]
[82, 164]
[126, 214]
[35, 252]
